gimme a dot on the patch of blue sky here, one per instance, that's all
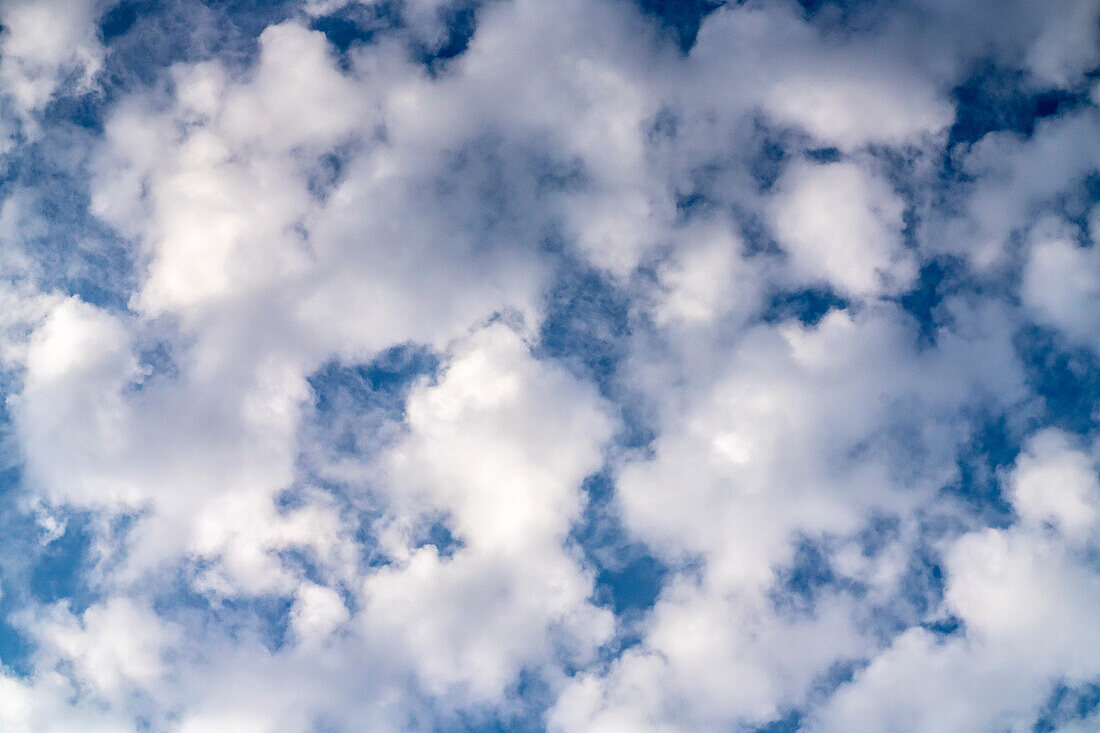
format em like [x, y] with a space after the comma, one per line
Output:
[845, 9]
[144, 38]
[37, 569]
[351, 398]
[808, 305]
[633, 583]
[948, 625]
[809, 574]
[587, 327]
[939, 279]
[922, 585]
[73, 252]
[680, 18]
[18, 561]
[628, 577]
[790, 722]
[792, 718]
[62, 568]
[982, 463]
[356, 24]
[358, 411]
[156, 362]
[1064, 376]
[459, 20]
[328, 171]
[302, 564]
[261, 617]
[773, 148]
[994, 98]
[192, 30]
[1074, 205]
[588, 322]
[524, 710]
[433, 529]
[1068, 703]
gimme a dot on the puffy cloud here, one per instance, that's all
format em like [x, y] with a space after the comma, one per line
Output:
[78, 365]
[841, 224]
[317, 612]
[226, 209]
[45, 46]
[711, 661]
[787, 436]
[501, 445]
[813, 408]
[43, 704]
[845, 92]
[840, 106]
[1026, 599]
[707, 279]
[785, 442]
[1014, 181]
[1055, 483]
[113, 646]
[1061, 281]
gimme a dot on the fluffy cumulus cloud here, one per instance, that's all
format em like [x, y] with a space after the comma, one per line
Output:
[843, 227]
[599, 366]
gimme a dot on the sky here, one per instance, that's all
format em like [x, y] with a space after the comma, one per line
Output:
[586, 366]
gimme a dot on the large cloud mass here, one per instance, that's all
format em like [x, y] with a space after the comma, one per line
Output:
[606, 366]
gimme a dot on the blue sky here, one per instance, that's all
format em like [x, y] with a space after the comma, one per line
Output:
[591, 366]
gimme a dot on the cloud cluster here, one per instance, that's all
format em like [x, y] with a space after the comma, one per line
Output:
[360, 357]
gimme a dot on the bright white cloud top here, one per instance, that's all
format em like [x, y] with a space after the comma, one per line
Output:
[602, 366]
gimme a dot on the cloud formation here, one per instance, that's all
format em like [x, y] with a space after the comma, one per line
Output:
[578, 366]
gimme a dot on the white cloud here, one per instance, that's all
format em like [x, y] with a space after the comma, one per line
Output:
[78, 366]
[44, 46]
[227, 204]
[845, 92]
[787, 436]
[44, 704]
[1061, 282]
[1054, 482]
[1027, 599]
[1015, 181]
[784, 441]
[844, 225]
[706, 279]
[114, 646]
[501, 445]
[317, 612]
[841, 106]
[307, 208]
